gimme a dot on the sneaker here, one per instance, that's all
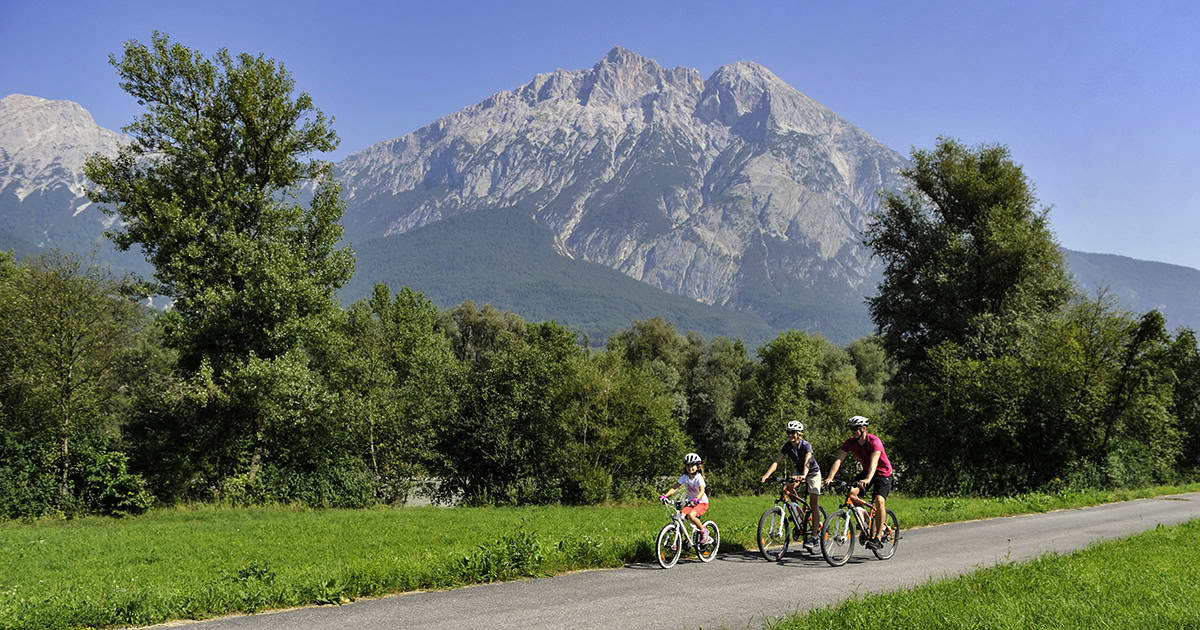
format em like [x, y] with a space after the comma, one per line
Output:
[809, 543]
[874, 544]
[705, 539]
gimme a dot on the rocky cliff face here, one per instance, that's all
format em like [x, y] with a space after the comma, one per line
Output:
[43, 145]
[737, 190]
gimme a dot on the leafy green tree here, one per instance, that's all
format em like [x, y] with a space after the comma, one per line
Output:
[656, 345]
[68, 331]
[207, 190]
[969, 259]
[204, 189]
[719, 391]
[475, 332]
[511, 441]
[1185, 357]
[1139, 438]
[399, 380]
[871, 367]
[972, 273]
[622, 431]
[783, 379]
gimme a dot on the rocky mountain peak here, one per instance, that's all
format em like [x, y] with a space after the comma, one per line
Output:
[702, 188]
[624, 78]
[43, 144]
[749, 96]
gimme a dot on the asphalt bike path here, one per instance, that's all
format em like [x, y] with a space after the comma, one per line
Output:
[738, 589]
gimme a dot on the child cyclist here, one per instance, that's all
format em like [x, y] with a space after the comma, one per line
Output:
[808, 474]
[693, 480]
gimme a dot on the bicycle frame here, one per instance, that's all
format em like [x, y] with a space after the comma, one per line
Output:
[794, 503]
[852, 501]
[866, 529]
[683, 527]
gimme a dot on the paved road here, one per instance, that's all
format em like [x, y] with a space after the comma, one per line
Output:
[737, 590]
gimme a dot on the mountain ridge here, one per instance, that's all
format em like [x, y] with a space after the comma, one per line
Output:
[736, 191]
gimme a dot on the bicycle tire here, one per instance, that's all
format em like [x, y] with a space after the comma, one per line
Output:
[891, 537]
[838, 537]
[807, 515]
[807, 528]
[668, 547]
[773, 540]
[709, 551]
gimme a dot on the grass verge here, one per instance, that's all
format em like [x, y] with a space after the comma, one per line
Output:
[202, 561]
[1149, 580]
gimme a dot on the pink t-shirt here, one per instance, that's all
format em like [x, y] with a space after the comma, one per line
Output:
[863, 453]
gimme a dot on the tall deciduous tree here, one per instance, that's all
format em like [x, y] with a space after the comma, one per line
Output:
[207, 190]
[969, 257]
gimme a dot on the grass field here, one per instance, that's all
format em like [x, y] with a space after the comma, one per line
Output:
[1150, 580]
[202, 561]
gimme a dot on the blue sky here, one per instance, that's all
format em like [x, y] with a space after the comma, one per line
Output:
[1099, 101]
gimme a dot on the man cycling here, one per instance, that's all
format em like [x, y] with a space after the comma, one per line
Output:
[800, 452]
[876, 473]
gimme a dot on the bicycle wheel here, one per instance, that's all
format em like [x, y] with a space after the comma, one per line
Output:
[837, 539]
[709, 551]
[773, 534]
[670, 544]
[890, 538]
[807, 527]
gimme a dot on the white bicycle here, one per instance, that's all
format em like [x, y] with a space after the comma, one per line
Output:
[680, 533]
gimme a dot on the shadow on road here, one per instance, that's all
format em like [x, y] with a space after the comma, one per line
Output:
[798, 560]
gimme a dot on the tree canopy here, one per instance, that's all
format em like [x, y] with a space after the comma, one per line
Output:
[207, 190]
[969, 258]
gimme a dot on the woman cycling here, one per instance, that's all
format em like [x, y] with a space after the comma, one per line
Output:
[797, 449]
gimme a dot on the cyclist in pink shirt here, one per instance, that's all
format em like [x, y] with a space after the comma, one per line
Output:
[876, 473]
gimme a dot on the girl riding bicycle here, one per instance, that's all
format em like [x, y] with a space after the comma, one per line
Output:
[693, 480]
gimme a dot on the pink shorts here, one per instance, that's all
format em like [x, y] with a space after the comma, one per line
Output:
[699, 509]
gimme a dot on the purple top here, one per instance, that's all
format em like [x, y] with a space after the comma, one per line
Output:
[863, 453]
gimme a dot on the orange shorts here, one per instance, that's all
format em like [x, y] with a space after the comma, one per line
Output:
[699, 509]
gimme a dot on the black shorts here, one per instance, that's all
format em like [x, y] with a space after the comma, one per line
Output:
[879, 486]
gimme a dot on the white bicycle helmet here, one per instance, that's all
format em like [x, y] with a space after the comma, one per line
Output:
[691, 458]
[795, 425]
[857, 421]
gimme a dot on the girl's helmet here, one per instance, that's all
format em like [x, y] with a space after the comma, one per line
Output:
[795, 425]
[857, 421]
[691, 458]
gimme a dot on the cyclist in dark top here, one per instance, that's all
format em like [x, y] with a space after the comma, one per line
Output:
[797, 449]
[876, 473]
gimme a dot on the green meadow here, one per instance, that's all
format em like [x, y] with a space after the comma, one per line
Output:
[1149, 580]
[201, 561]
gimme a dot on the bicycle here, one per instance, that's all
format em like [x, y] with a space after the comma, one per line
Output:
[775, 532]
[840, 535]
[680, 533]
